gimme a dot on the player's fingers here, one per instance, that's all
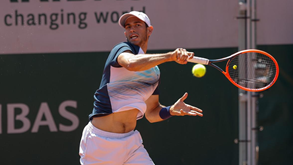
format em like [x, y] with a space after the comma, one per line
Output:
[190, 55]
[184, 58]
[178, 54]
[181, 50]
[182, 113]
[191, 113]
[184, 55]
[194, 113]
[184, 96]
[181, 55]
[195, 108]
[184, 52]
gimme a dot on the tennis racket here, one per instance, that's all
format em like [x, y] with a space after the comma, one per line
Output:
[250, 70]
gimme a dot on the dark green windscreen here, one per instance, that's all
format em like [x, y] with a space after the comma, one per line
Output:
[41, 83]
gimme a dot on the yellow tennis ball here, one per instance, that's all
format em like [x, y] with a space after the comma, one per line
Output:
[234, 66]
[198, 70]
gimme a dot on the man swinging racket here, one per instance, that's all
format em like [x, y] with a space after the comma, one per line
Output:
[128, 91]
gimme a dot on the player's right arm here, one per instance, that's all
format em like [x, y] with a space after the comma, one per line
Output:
[142, 62]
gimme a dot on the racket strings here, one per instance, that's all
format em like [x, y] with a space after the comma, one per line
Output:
[252, 70]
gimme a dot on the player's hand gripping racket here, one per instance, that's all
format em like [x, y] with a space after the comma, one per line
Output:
[250, 70]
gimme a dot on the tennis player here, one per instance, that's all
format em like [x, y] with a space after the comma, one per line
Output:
[128, 91]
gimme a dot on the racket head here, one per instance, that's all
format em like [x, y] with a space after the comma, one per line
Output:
[252, 70]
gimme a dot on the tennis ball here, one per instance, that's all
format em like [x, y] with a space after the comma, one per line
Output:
[234, 67]
[198, 70]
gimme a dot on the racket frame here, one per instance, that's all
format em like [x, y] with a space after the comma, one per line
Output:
[211, 62]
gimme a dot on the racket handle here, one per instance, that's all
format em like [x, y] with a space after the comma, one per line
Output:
[199, 60]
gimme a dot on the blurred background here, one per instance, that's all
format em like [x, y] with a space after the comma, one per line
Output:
[52, 54]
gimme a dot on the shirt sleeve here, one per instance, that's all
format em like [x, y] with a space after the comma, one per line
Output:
[118, 49]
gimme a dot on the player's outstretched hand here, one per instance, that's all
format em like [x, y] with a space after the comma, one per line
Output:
[181, 55]
[181, 109]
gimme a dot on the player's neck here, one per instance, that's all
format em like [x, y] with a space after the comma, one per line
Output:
[144, 46]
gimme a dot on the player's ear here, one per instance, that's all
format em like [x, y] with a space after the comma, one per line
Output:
[125, 34]
[150, 30]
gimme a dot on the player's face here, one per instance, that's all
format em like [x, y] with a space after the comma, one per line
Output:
[136, 31]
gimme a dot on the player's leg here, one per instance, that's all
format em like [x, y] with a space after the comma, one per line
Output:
[82, 146]
[138, 154]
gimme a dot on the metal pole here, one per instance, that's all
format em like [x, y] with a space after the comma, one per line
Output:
[254, 99]
[249, 103]
[242, 139]
[247, 100]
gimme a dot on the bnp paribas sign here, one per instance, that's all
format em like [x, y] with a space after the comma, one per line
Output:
[40, 26]
[20, 112]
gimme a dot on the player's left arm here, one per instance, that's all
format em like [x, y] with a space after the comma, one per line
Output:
[153, 109]
[180, 108]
